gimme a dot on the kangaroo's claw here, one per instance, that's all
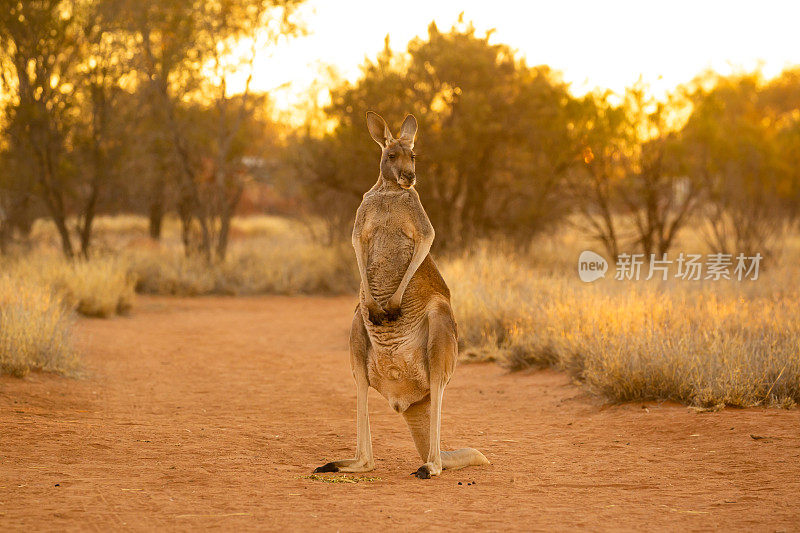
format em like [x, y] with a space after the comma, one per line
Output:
[422, 472]
[327, 467]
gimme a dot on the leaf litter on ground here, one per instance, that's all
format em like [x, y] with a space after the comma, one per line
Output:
[341, 479]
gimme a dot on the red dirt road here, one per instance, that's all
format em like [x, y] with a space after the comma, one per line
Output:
[207, 413]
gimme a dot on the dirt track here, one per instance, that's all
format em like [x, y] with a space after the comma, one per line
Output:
[208, 412]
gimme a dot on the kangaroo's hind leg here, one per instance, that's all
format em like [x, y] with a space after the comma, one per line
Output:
[424, 417]
[442, 350]
[359, 348]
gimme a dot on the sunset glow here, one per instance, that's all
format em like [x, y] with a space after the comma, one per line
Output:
[593, 44]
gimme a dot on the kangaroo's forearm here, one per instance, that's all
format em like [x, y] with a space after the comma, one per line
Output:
[362, 266]
[420, 252]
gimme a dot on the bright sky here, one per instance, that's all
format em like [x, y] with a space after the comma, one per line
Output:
[594, 43]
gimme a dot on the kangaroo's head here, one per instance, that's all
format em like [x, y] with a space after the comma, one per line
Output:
[397, 155]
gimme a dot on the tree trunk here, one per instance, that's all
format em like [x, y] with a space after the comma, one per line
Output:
[156, 219]
[63, 231]
[225, 222]
[222, 240]
[55, 205]
[4, 236]
[88, 218]
[185, 214]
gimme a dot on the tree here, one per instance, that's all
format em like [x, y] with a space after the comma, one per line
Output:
[64, 70]
[492, 144]
[632, 187]
[100, 133]
[602, 136]
[738, 139]
[178, 40]
[40, 43]
[657, 194]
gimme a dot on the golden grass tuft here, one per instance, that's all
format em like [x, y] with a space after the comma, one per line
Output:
[35, 329]
[706, 344]
[260, 267]
[99, 287]
[38, 294]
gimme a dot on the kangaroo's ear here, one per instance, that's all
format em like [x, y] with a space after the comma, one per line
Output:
[409, 130]
[378, 129]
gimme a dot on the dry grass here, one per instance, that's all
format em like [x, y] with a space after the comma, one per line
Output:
[39, 293]
[704, 344]
[267, 255]
[258, 267]
[35, 329]
[39, 289]
[99, 287]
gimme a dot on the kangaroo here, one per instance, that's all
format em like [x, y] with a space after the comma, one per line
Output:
[403, 339]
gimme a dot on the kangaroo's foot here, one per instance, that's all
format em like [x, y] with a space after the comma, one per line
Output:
[347, 465]
[427, 470]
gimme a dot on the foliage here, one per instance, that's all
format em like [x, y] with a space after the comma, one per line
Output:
[492, 140]
[742, 143]
[125, 105]
[505, 149]
[113, 95]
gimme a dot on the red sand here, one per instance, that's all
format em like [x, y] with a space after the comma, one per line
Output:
[208, 413]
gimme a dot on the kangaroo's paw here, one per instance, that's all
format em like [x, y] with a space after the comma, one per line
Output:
[427, 471]
[346, 465]
[376, 314]
[392, 315]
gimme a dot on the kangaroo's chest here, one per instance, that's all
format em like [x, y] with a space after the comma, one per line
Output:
[390, 247]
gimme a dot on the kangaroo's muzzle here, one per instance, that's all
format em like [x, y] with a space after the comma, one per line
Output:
[407, 179]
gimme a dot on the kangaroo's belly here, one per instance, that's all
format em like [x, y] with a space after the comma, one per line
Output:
[397, 365]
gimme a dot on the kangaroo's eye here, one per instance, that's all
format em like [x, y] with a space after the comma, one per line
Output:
[413, 157]
[392, 156]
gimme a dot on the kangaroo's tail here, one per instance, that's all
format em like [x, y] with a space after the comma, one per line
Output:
[464, 457]
[418, 419]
